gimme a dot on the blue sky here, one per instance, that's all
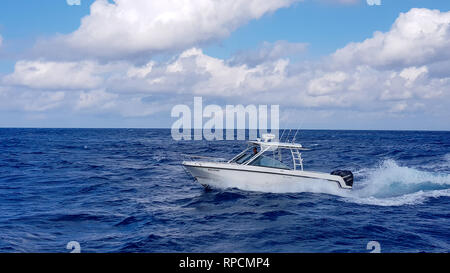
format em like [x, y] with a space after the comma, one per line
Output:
[307, 34]
[326, 27]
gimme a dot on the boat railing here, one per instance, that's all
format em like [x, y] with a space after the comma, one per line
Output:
[203, 158]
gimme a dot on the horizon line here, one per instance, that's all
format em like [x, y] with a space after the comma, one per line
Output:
[162, 128]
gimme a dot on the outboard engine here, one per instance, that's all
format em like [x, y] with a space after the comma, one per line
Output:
[346, 175]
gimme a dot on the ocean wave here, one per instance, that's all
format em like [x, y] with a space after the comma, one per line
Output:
[128, 192]
[440, 165]
[407, 199]
[390, 184]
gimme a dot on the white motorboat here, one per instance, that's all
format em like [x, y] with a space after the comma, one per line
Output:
[260, 168]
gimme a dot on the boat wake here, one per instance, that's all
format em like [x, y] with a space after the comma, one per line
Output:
[392, 185]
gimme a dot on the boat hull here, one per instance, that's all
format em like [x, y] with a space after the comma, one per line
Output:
[254, 178]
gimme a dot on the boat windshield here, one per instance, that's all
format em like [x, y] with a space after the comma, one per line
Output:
[265, 161]
[243, 158]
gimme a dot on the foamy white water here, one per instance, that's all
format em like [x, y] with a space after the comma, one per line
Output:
[392, 185]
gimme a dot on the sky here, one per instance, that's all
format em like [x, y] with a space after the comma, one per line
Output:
[329, 64]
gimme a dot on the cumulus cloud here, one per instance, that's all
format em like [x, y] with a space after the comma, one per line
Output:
[348, 81]
[55, 75]
[123, 28]
[269, 52]
[194, 72]
[96, 99]
[223, 79]
[417, 37]
[125, 106]
[276, 81]
[327, 83]
[30, 101]
[43, 102]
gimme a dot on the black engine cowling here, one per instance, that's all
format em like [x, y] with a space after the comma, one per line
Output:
[346, 175]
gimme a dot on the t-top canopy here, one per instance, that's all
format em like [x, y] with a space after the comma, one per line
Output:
[268, 144]
[278, 145]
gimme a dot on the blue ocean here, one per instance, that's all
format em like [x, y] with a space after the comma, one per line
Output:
[124, 190]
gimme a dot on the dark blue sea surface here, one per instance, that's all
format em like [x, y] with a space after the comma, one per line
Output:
[124, 190]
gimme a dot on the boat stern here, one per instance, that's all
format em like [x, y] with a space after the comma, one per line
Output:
[345, 177]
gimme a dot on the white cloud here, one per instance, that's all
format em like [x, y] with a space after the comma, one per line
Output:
[73, 2]
[193, 72]
[126, 106]
[417, 37]
[140, 72]
[126, 28]
[1, 40]
[411, 74]
[17, 101]
[56, 75]
[372, 86]
[96, 99]
[30, 101]
[327, 83]
[137, 107]
[43, 102]
[268, 52]
[362, 87]
[373, 2]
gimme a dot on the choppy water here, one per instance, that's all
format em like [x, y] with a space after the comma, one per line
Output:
[119, 190]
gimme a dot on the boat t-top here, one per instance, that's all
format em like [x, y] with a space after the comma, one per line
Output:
[259, 167]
